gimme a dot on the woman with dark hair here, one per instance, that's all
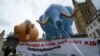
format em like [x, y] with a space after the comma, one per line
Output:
[7, 51]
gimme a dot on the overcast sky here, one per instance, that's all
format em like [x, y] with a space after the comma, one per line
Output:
[13, 12]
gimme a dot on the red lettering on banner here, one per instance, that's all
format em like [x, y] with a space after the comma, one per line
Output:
[50, 44]
[75, 42]
[33, 45]
[62, 42]
[27, 44]
[36, 45]
[91, 43]
[70, 42]
[42, 45]
[86, 43]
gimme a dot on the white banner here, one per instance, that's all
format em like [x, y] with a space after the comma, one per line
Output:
[62, 47]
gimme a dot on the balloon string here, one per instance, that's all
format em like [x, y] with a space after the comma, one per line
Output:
[72, 43]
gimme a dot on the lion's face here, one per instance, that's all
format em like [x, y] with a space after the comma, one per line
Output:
[25, 30]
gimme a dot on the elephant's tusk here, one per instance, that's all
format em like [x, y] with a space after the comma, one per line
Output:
[44, 21]
[64, 14]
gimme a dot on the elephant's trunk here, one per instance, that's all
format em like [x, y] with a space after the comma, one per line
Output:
[58, 24]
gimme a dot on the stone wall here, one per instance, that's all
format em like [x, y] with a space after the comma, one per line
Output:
[1, 40]
[1, 43]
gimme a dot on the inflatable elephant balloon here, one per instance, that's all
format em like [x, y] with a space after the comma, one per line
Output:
[57, 20]
[26, 31]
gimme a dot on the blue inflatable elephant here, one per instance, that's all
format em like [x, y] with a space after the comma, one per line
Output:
[56, 20]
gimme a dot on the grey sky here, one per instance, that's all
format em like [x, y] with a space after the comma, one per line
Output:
[97, 4]
[14, 12]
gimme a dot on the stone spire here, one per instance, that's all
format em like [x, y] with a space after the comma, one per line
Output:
[73, 1]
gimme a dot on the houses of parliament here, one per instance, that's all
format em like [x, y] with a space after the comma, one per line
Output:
[87, 19]
[83, 17]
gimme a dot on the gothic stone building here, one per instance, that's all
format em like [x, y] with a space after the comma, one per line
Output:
[83, 16]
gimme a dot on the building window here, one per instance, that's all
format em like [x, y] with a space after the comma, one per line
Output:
[87, 23]
[94, 24]
[99, 20]
[89, 11]
[88, 29]
[90, 35]
[98, 32]
[91, 27]
[83, 13]
[94, 34]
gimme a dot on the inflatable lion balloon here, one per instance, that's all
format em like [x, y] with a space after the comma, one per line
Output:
[26, 31]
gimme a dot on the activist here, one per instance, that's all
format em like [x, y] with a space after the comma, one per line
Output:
[7, 51]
